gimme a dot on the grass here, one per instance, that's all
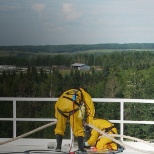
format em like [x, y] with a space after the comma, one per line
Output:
[17, 53]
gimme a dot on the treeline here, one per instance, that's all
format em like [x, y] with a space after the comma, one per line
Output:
[76, 47]
[124, 60]
[121, 75]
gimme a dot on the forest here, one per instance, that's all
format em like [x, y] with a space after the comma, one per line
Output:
[116, 74]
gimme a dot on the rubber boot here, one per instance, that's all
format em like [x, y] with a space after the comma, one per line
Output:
[81, 149]
[59, 142]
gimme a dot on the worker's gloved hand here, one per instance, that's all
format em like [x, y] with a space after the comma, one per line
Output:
[86, 145]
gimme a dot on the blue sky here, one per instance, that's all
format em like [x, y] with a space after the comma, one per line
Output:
[59, 22]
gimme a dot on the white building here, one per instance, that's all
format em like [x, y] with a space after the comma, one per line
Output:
[7, 68]
[80, 66]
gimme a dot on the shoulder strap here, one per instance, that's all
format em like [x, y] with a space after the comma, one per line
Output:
[72, 100]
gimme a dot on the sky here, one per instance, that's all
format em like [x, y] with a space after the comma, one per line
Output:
[61, 22]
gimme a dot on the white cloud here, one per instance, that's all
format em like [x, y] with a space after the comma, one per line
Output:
[70, 12]
[38, 7]
[67, 8]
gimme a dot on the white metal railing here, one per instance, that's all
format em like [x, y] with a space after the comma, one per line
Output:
[95, 100]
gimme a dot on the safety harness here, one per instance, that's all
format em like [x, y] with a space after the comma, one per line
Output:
[109, 129]
[70, 112]
[73, 101]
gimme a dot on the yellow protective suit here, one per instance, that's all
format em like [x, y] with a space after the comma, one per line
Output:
[102, 143]
[66, 108]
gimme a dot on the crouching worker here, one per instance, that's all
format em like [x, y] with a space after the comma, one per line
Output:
[71, 106]
[99, 141]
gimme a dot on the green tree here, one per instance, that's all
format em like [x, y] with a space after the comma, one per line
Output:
[113, 86]
[135, 85]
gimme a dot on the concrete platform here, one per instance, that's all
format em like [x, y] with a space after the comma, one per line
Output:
[31, 146]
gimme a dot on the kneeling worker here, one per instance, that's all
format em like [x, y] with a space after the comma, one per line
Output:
[98, 140]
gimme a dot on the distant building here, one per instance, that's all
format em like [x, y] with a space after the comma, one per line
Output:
[80, 66]
[7, 68]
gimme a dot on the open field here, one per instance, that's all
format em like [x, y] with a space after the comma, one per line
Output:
[19, 53]
[27, 54]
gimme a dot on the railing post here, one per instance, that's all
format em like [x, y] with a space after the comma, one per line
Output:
[14, 119]
[122, 120]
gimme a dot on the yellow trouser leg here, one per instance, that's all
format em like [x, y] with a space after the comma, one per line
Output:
[76, 125]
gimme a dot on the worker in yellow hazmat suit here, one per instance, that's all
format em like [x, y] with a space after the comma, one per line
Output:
[69, 106]
[97, 140]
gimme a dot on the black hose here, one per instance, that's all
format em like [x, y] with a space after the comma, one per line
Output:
[36, 151]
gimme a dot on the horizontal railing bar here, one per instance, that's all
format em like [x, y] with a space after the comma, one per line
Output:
[133, 122]
[26, 99]
[43, 119]
[27, 119]
[123, 100]
[94, 99]
[138, 122]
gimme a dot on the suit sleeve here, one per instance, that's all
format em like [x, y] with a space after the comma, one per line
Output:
[90, 109]
[93, 138]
